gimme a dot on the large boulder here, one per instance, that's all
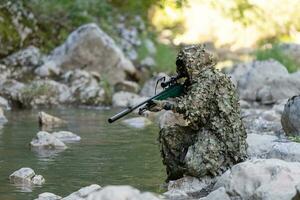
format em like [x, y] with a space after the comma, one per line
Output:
[86, 87]
[83, 193]
[148, 89]
[48, 196]
[264, 81]
[10, 89]
[290, 118]
[26, 176]
[90, 47]
[268, 179]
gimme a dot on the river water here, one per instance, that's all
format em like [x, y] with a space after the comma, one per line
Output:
[108, 154]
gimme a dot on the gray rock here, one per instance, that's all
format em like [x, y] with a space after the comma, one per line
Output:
[127, 86]
[290, 119]
[83, 193]
[192, 186]
[176, 194]
[4, 104]
[125, 99]
[268, 179]
[137, 122]
[26, 176]
[90, 47]
[48, 69]
[148, 62]
[10, 89]
[268, 146]
[262, 121]
[49, 120]
[66, 136]
[86, 87]
[148, 89]
[150, 46]
[29, 58]
[218, 194]
[44, 93]
[264, 81]
[48, 196]
[46, 140]
[121, 193]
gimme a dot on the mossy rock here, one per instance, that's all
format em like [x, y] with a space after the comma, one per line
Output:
[17, 27]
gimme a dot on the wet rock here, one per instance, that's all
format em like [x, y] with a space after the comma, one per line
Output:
[90, 47]
[83, 193]
[264, 81]
[86, 87]
[66, 136]
[26, 176]
[48, 69]
[44, 93]
[148, 62]
[46, 140]
[219, 194]
[4, 104]
[170, 118]
[49, 120]
[290, 119]
[137, 122]
[261, 179]
[192, 186]
[148, 89]
[127, 86]
[125, 99]
[121, 193]
[3, 119]
[48, 196]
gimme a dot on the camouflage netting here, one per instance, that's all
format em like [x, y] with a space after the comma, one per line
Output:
[215, 138]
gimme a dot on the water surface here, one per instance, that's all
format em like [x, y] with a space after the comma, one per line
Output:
[108, 154]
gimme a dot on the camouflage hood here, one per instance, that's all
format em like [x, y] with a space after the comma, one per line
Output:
[193, 59]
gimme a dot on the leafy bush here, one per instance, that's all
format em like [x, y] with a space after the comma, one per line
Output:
[276, 53]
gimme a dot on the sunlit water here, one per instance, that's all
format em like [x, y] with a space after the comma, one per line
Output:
[108, 154]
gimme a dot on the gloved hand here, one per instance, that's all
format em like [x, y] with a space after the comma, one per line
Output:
[156, 105]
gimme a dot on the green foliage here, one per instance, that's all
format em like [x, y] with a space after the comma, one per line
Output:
[276, 53]
[108, 91]
[294, 138]
[165, 59]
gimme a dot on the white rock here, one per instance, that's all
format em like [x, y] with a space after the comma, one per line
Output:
[268, 179]
[49, 120]
[121, 193]
[4, 104]
[47, 69]
[24, 174]
[38, 180]
[137, 122]
[46, 140]
[127, 86]
[125, 99]
[91, 47]
[48, 196]
[267, 146]
[148, 89]
[148, 62]
[83, 192]
[265, 81]
[66, 136]
[191, 185]
[219, 194]
[3, 119]
[176, 194]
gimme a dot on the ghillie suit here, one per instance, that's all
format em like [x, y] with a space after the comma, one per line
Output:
[215, 138]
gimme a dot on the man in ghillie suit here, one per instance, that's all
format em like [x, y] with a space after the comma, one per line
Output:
[215, 138]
